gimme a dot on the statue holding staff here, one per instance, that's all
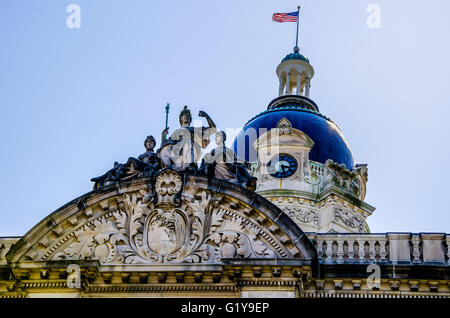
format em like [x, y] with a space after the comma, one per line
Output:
[183, 150]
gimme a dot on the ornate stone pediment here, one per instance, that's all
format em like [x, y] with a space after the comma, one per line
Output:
[171, 219]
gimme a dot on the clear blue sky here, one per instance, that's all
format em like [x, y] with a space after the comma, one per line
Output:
[73, 101]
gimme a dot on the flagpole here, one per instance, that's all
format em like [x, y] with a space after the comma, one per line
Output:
[296, 38]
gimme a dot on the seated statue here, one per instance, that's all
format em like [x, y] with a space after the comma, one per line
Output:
[222, 163]
[146, 165]
[183, 149]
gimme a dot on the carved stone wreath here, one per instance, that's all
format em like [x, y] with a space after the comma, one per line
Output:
[168, 226]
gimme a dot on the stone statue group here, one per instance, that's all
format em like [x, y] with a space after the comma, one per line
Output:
[182, 152]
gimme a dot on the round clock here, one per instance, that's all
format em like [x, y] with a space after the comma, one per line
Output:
[282, 166]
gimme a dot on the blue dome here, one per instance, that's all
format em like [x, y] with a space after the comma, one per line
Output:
[329, 142]
[295, 56]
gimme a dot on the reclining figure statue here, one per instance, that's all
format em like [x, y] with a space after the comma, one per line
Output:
[146, 165]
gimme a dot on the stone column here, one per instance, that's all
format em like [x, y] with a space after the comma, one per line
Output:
[287, 90]
[299, 83]
[280, 89]
[307, 86]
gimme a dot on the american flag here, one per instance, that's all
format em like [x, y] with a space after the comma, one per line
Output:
[285, 17]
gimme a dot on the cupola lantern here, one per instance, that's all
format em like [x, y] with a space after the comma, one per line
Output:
[295, 74]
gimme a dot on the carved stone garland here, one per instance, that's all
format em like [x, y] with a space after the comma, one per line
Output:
[300, 215]
[350, 220]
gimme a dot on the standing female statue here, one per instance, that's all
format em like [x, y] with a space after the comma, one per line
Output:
[183, 150]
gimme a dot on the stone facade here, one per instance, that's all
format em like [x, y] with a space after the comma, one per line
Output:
[177, 234]
[187, 236]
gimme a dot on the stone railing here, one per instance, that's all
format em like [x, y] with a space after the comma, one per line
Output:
[317, 168]
[340, 248]
[393, 248]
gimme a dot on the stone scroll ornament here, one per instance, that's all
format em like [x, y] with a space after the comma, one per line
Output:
[172, 224]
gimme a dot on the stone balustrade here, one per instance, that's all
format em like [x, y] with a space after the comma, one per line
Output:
[317, 168]
[390, 248]
[360, 248]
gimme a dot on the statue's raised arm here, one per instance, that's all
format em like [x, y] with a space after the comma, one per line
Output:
[183, 150]
[208, 118]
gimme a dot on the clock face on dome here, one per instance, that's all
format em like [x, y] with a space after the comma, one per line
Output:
[282, 166]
